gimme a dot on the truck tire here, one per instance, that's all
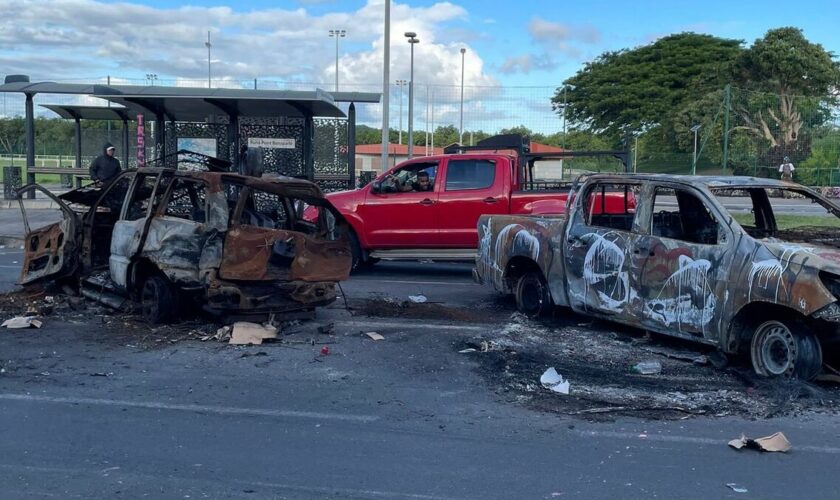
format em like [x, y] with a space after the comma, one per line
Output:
[158, 300]
[785, 348]
[360, 258]
[532, 296]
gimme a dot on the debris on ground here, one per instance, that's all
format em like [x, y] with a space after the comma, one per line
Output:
[774, 442]
[737, 489]
[553, 381]
[245, 333]
[374, 336]
[325, 351]
[647, 368]
[467, 350]
[22, 322]
[417, 299]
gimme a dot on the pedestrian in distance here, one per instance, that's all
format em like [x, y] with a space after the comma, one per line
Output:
[105, 167]
[786, 170]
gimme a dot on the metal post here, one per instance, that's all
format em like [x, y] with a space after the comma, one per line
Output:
[433, 123]
[208, 45]
[337, 34]
[400, 84]
[351, 144]
[461, 129]
[125, 142]
[728, 104]
[694, 129]
[78, 140]
[563, 144]
[412, 39]
[160, 136]
[309, 148]
[386, 79]
[427, 120]
[30, 140]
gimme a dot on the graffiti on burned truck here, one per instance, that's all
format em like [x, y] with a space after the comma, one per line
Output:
[715, 260]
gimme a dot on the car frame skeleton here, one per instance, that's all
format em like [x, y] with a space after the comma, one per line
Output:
[693, 272]
[233, 244]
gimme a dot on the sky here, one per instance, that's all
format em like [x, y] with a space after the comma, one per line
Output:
[508, 43]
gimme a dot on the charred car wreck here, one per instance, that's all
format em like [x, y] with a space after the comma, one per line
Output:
[230, 243]
[749, 265]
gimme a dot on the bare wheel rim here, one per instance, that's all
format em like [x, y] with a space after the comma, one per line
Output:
[532, 295]
[777, 348]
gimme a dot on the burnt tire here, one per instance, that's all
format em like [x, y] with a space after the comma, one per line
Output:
[785, 348]
[532, 296]
[158, 300]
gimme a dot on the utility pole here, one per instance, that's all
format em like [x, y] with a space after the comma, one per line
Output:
[386, 81]
[208, 45]
[461, 129]
[400, 84]
[412, 39]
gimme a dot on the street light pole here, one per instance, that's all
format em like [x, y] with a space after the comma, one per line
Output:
[400, 84]
[412, 39]
[461, 132]
[386, 83]
[694, 161]
[337, 34]
[208, 45]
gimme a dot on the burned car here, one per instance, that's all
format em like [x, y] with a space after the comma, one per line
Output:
[232, 244]
[748, 265]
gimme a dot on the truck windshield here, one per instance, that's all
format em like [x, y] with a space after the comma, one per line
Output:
[788, 214]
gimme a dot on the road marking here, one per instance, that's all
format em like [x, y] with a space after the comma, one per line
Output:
[408, 282]
[687, 439]
[419, 326]
[328, 492]
[218, 410]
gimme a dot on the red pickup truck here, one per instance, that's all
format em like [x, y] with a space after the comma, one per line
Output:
[393, 218]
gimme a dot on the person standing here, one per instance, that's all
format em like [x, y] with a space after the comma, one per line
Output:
[105, 167]
[786, 169]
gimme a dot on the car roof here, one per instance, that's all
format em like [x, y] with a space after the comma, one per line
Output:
[709, 181]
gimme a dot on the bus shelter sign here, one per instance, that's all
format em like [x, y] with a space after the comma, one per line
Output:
[271, 143]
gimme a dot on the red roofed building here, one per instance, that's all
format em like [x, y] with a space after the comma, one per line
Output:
[369, 156]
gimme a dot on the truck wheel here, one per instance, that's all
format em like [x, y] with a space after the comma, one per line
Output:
[785, 349]
[158, 300]
[532, 296]
[359, 260]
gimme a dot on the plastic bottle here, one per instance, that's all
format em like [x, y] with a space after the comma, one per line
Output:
[648, 367]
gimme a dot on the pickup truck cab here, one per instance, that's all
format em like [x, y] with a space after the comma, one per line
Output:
[748, 265]
[394, 218]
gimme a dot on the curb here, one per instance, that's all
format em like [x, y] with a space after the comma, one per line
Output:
[11, 241]
[32, 204]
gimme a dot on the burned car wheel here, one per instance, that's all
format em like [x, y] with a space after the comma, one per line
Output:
[532, 296]
[158, 300]
[785, 349]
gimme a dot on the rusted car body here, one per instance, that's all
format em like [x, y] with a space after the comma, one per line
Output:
[679, 263]
[232, 243]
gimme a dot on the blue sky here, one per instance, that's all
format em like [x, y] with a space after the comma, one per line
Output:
[510, 44]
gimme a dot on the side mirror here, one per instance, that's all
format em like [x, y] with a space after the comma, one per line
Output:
[375, 187]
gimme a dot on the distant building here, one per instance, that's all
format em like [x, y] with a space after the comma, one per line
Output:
[369, 156]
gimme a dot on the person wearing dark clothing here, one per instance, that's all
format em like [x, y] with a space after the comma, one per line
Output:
[105, 167]
[422, 183]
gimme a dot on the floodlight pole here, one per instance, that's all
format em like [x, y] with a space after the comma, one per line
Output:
[208, 45]
[386, 80]
[412, 39]
[461, 130]
[337, 34]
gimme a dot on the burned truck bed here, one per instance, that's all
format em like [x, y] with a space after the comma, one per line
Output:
[228, 243]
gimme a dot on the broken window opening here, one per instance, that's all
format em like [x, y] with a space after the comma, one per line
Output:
[794, 215]
[141, 199]
[612, 206]
[681, 215]
[187, 200]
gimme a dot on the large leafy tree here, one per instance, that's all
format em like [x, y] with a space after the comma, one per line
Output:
[638, 89]
[793, 76]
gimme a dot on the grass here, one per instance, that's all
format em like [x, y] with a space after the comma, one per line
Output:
[788, 221]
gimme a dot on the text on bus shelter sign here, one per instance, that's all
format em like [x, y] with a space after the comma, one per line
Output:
[271, 143]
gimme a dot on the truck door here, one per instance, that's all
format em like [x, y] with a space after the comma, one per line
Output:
[599, 242]
[130, 231]
[50, 250]
[396, 215]
[472, 187]
[681, 264]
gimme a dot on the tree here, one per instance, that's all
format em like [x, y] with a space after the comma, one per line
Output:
[634, 90]
[796, 75]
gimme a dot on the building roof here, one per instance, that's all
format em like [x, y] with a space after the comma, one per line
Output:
[72, 112]
[395, 150]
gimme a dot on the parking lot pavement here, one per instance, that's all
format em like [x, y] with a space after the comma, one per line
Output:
[10, 262]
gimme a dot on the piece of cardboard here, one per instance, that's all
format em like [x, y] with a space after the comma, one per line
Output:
[772, 443]
[374, 336]
[245, 333]
[555, 382]
[22, 322]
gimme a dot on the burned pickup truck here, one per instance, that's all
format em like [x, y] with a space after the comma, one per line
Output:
[748, 265]
[229, 243]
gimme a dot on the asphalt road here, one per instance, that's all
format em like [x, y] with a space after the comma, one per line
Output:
[87, 411]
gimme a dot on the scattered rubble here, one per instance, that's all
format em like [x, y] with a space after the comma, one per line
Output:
[555, 382]
[417, 299]
[245, 333]
[374, 336]
[22, 322]
[737, 489]
[647, 368]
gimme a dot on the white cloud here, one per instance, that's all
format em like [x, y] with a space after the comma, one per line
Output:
[54, 39]
[551, 32]
[527, 63]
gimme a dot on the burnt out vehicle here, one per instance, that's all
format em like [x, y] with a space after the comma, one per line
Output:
[232, 244]
[748, 265]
